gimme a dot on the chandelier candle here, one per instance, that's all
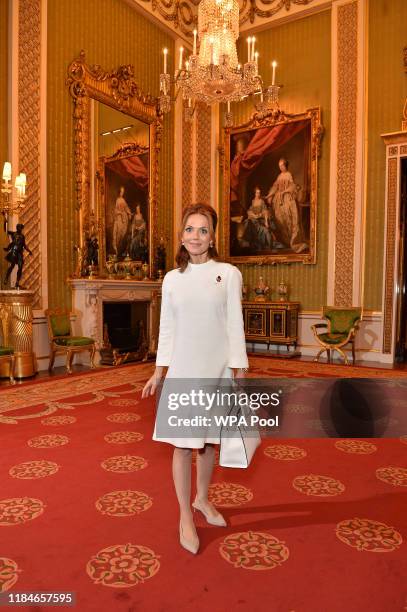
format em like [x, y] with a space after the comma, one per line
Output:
[273, 80]
[181, 51]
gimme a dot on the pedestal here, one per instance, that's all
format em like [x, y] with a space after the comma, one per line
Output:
[20, 331]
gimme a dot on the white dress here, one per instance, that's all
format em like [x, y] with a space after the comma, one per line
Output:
[201, 330]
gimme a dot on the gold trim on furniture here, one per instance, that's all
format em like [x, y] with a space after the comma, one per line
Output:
[119, 90]
[8, 359]
[68, 350]
[279, 322]
[19, 305]
[350, 338]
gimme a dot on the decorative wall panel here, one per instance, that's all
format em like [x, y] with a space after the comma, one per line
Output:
[4, 152]
[187, 132]
[29, 65]
[203, 154]
[347, 43]
[387, 90]
[390, 254]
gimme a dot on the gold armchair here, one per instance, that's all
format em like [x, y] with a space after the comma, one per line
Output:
[341, 329]
[6, 351]
[62, 340]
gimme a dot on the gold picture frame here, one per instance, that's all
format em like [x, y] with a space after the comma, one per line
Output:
[269, 210]
[119, 90]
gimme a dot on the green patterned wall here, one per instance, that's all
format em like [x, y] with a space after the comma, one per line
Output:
[112, 33]
[303, 52]
[4, 156]
[387, 93]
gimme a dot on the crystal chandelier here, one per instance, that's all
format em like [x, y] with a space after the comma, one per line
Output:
[214, 74]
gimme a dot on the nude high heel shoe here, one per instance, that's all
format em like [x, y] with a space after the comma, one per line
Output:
[216, 520]
[191, 546]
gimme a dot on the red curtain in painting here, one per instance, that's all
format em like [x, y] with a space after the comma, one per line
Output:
[133, 168]
[263, 142]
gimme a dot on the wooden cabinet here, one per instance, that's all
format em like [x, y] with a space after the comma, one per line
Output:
[271, 322]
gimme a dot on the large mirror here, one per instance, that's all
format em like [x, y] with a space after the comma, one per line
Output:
[117, 131]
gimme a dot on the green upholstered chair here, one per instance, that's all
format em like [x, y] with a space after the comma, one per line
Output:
[341, 329]
[6, 351]
[62, 340]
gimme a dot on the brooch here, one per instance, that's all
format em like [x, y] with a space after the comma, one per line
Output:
[218, 279]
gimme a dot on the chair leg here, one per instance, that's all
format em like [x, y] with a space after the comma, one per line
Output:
[51, 359]
[319, 354]
[11, 371]
[69, 359]
[329, 352]
[353, 352]
[341, 352]
[92, 352]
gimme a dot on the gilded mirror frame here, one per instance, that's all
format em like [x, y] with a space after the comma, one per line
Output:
[119, 90]
[270, 119]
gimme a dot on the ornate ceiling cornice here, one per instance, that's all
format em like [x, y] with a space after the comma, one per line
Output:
[181, 15]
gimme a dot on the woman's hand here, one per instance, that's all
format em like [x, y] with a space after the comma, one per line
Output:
[151, 385]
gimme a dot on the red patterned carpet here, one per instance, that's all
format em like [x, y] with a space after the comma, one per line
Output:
[87, 505]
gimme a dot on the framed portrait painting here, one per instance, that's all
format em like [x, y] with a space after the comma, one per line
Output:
[270, 188]
[126, 212]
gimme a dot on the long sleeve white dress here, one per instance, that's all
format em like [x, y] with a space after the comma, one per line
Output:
[201, 330]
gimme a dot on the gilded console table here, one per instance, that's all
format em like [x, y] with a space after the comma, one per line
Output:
[20, 331]
[272, 323]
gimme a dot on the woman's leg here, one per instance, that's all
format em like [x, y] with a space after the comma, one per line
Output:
[181, 472]
[204, 467]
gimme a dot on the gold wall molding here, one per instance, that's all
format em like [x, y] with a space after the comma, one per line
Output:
[29, 119]
[347, 91]
[181, 16]
[390, 253]
[265, 9]
[118, 89]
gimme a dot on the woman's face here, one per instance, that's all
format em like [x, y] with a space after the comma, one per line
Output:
[121, 191]
[282, 165]
[196, 235]
[257, 192]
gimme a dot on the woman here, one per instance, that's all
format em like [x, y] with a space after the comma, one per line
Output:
[282, 196]
[121, 218]
[138, 234]
[201, 337]
[257, 225]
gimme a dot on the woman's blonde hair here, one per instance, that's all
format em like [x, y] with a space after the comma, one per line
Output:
[182, 257]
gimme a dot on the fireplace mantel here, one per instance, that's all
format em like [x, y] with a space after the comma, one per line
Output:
[89, 294]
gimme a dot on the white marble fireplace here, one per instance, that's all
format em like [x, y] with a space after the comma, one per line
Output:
[88, 296]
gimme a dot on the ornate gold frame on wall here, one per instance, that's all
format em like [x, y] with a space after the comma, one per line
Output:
[270, 119]
[119, 90]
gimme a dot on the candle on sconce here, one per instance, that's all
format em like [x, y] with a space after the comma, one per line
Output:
[189, 102]
[248, 48]
[256, 56]
[181, 51]
[187, 65]
[195, 35]
[253, 41]
[274, 64]
[7, 171]
[261, 96]
[228, 106]
[165, 52]
[23, 179]
[18, 185]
